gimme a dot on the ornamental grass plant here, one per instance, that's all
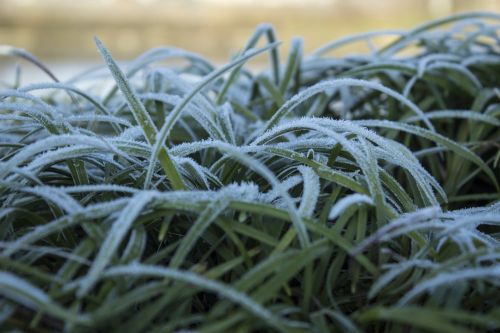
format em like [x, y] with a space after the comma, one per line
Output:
[323, 194]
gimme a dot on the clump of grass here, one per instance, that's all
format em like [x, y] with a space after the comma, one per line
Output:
[326, 194]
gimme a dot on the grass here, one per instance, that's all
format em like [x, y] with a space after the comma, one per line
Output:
[325, 194]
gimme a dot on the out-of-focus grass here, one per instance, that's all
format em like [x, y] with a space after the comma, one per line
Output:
[324, 194]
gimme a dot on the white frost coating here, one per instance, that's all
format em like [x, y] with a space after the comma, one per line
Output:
[401, 155]
[16, 288]
[98, 147]
[114, 237]
[242, 299]
[225, 115]
[197, 109]
[60, 154]
[200, 100]
[163, 53]
[50, 143]
[201, 109]
[175, 114]
[218, 204]
[336, 83]
[346, 202]
[98, 188]
[56, 196]
[245, 191]
[414, 219]
[481, 58]
[20, 290]
[426, 60]
[459, 227]
[197, 171]
[462, 230]
[433, 225]
[38, 113]
[459, 68]
[160, 97]
[135, 245]
[192, 170]
[472, 221]
[131, 212]
[287, 184]
[101, 118]
[463, 114]
[206, 122]
[10, 117]
[188, 148]
[448, 278]
[260, 168]
[397, 269]
[24, 95]
[311, 191]
[41, 250]
[409, 85]
[95, 211]
[132, 133]
[371, 169]
[459, 149]
[301, 143]
[334, 129]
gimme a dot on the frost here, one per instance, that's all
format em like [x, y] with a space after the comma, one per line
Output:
[310, 193]
[194, 175]
[331, 84]
[286, 185]
[97, 188]
[54, 195]
[346, 202]
[449, 278]
[132, 133]
[141, 270]
[113, 239]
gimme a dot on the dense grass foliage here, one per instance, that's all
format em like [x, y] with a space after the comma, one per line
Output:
[324, 194]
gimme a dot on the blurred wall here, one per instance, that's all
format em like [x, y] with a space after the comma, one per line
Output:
[60, 32]
[57, 29]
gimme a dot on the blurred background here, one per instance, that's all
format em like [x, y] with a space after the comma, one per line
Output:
[60, 32]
